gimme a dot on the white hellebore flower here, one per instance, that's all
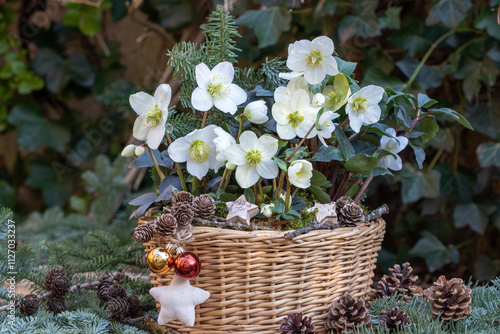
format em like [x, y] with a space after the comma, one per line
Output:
[394, 146]
[300, 173]
[266, 210]
[283, 93]
[215, 87]
[128, 151]
[314, 58]
[222, 142]
[153, 114]
[363, 108]
[254, 158]
[318, 100]
[197, 149]
[139, 150]
[295, 116]
[256, 112]
[325, 126]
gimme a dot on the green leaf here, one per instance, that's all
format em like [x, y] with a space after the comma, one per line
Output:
[376, 76]
[485, 118]
[434, 252]
[450, 12]
[345, 67]
[474, 73]
[487, 19]
[279, 205]
[281, 164]
[363, 23]
[80, 69]
[56, 189]
[318, 179]
[361, 164]
[327, 154]
[430, 127]
[428, 76]
[320, 194]
[390, 19]
[418, 184]
[227, 197]
[424, 101]
[419, 155]
[472, 215]
[268, 24]
[249, 195]
[453, 114]
[488, 154]
[89, 22]
[346, 149]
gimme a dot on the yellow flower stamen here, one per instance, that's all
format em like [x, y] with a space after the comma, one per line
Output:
[218, 87]
[359, 105]
[199, 151]
[295, 119]
[254, 157]
[153, 116]
[314, 58]
[334, 97]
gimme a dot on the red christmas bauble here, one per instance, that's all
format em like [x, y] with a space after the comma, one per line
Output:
[187, 265]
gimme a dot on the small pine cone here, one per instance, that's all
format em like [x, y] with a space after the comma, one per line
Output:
[60, 286]
[388, 286]
[296, 324]
[118, 307]
[143, 233]
[394, 319]
[29, 304]
[347, 312]
[102, 291]
[56, 304]
[52, 274]
[182, 197]
[351, 214]
[450, 298]
[341, 202]
[166, 225]
[135, 306]
[184, 215]
[403, 274]
[116, 291]
[204, 206]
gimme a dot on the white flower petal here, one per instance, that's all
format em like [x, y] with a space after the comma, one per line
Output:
[314, 75]
[178, 151]
[330, 66]
[268, 146]
[248, 140]
[140, 102]
[296, 62]
[155, 136]
[403, 142]
[285, 132]
[355, 121]
[237, 94]
[203, 75]
[290, 75]
[224, 69]
[385, 142]
[140, 131]
[198, 169]
[324, 44]
[226, 105]
[300, 100]
[236, 155]
[372, 93]
[268, 169]
[372, 114]
[304, 127]
[280, 94]
[246, 176]
[280, 112]
[162, 96]
[201, 99]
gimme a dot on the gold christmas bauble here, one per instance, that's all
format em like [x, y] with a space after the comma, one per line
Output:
[160, 260]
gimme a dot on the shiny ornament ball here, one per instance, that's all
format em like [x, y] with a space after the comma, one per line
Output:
[160, 260]
[187, 265]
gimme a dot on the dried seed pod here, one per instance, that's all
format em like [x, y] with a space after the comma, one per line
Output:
[52, 274]
[118, 307]
[56, 304]
[182, 197]
[60, 286]
[29, 305]
[166, 225]
[102, 291]
[184, 215]
[115, 291]
[143, 233]
[204, 206]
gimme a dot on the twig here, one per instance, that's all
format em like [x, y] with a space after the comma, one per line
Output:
[300, 144]
[238, 226]
[118, 277]
[129, 320]
[363, 188]
[313, 226]
[377, 213]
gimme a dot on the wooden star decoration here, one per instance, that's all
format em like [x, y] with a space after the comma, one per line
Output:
[326, 213]
[241, 211]
[178, 301]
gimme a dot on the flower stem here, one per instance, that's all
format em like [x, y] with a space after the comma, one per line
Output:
[261, 191]
[222, 179]
[204, 121]
[228, 178]
[300, 144]
[177, 166]
[280, 184]
[255, 194]
[287, 195]
[240, 129]
[363, 188]
[157, 167]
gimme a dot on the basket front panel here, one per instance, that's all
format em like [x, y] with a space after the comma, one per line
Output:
[257, 278]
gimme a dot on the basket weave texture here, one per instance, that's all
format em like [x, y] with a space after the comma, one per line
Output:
[257, 278]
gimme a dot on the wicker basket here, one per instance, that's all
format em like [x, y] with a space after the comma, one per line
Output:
[258, 278]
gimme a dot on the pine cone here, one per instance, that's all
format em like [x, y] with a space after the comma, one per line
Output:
[450, 298]
[118, 307]
[351, 214]
[204, 206]
[52, 274]
[56, 304]
[60, 286]
[400, 281]
[143, 233]
[166, 225]
[116, 291]
[394, 319]
[347, 313]
[102, 290]
[135, 306]
[182, 197]
[29, 304]
[296, 324]
[403, 274]
[184, 215]
[341, 202]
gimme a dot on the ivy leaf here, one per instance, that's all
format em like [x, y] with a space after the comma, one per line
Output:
[488, 154]
[35, 130]
[268, 24]
[485, 118]
[361, 164]
[376, 76]
[363, 23]
[419, 184]
[390, 19]
[428, 76]
[434, 252]
[56, 190]
[472, 215]
[449, 12]
[487, 19]
[474, 72]
[345, 67]
[327, 154]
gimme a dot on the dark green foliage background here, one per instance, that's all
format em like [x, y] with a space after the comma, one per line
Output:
[445, 216]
